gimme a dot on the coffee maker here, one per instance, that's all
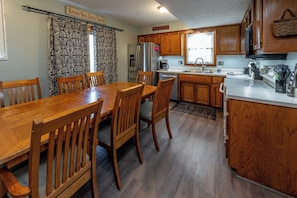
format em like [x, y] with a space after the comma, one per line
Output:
[164, 64]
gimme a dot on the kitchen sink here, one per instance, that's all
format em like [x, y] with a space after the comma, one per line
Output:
[207, 71]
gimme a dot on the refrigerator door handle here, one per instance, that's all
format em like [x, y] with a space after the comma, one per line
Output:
[137, 56]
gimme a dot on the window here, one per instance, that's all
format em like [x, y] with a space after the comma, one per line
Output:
[92, 53]
[200, 44]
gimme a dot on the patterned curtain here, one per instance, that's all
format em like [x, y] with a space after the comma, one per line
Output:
[106, 54]
[68, 50]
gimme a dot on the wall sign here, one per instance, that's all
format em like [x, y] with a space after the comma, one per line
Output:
[84, 15]
[164, 27]
[3, 45]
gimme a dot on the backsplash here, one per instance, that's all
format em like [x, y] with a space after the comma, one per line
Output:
[236, 61]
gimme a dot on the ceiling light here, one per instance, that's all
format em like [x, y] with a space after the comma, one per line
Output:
[162, 9]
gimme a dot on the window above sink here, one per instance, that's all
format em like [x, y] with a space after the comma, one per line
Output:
[200, 44]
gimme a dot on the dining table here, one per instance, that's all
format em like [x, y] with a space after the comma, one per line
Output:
[16, 120]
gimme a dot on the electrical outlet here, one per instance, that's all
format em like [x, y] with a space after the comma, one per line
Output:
[180, 62]
[221, 62]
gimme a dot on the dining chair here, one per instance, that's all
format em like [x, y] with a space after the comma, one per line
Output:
[19, 91]
[123, 126]
[144, 77]
[95, 79]
[70, 160]
[154, 111]
[71, 83]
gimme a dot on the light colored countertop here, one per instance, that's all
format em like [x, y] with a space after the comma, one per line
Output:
[194, 71]
[238, 86]
[259, 92]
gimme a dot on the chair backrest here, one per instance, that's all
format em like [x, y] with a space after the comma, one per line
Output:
[162, 98]
[71, 154]
[19, 91]
[125, 114]
[144, 77]
[95, 79]
[70, 84]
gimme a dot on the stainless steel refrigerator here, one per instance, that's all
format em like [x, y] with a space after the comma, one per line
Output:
[144, 57]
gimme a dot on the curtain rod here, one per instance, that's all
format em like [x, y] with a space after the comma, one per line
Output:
[39, 11]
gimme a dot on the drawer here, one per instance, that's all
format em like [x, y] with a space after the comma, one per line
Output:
[217, 80]
[194, 78]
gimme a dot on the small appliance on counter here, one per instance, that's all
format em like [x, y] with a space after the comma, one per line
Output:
[164, 64]
[255, 70]
[282, 72]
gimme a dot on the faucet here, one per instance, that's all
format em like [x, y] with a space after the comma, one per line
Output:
[202, 63]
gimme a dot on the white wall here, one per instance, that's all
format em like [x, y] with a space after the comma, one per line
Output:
[27, 41]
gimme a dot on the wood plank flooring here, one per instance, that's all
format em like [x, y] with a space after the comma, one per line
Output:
[191, 165]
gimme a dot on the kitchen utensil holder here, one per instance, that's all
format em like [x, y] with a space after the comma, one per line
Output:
[280, 86]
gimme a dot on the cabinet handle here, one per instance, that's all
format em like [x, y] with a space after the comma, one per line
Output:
[221, 88]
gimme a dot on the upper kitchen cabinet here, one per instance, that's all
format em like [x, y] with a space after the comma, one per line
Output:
[170, 44]
[246, 22]
[155, 38]
[265, 12]
[228, 40]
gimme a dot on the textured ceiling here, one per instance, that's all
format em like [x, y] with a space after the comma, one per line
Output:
[193, 13]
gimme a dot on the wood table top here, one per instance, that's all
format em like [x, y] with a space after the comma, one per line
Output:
[16, 120]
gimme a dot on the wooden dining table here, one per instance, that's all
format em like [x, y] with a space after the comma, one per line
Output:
[16, 120]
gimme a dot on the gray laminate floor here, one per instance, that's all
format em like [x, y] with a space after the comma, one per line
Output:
[191, 165]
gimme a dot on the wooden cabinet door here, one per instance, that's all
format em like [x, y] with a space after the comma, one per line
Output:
[257, 24]
[242, 37]
[228, 39]
[216, 96]
[170, 43]
[155, 38]
[262, 144]
[202, 94]
[273, 10]
[187, 92]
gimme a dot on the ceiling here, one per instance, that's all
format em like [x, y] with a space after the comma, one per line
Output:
[193, 13]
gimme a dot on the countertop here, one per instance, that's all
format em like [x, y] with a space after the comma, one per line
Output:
[238, 86]
[194, 71]
[260, 92]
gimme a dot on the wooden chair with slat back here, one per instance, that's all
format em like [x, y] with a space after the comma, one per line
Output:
[154, 111]
[95, 79]
[144, 77]
[70, 161]
[71, 83]
[19, 91]
[123, 126]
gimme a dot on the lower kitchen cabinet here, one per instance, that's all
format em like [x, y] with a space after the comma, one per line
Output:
[200, 89]
[262, 144]
[195, 93]
[215, 95]
[202, 94]
[187, 92]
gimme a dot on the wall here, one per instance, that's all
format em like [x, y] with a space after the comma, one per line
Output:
[27, 37]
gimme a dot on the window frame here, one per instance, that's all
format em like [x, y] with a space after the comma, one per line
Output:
[198, 31]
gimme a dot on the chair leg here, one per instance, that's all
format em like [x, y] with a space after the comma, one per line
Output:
[3, 190]
[168, 127]
[155, 137]
[93, 181]
[116, 169]
[139, 153]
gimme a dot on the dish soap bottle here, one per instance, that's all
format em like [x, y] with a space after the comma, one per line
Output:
[219, 68]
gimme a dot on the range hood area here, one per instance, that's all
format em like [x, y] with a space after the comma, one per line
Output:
[268, 56]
